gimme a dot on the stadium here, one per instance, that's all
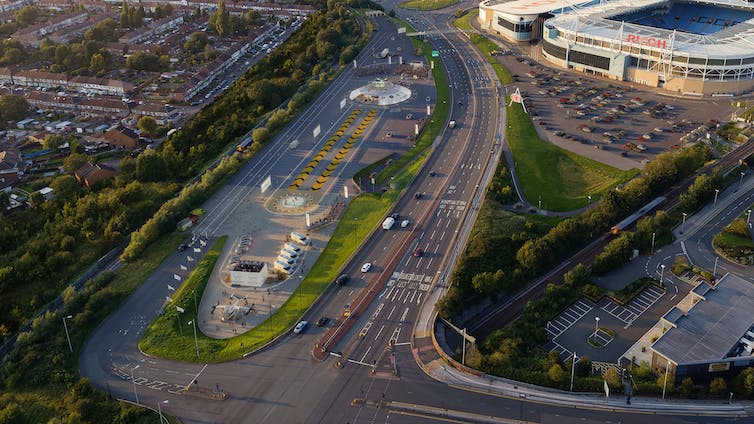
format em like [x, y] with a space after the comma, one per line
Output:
[698, 48]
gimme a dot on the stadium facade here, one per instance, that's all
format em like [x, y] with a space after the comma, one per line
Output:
[690, 47]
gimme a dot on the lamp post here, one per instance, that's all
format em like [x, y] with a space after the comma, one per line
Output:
[196, 341]
[717, 191]
[714, 270]
[159, 410]
[665, 379]
[683, 223]
[748, 216]
[573, 368]
[662, 274]
[463, 355]
[136, 395]
[596, 325]
[652, 251]
[67, 336]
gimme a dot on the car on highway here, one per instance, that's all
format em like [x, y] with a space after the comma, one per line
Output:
[432, 173]
[322, 321]
[394, 215]
[405, 223]
[417, 196]
[300, 327]
[182, 247]
[366, 267]
[342, 279]
[418, 252]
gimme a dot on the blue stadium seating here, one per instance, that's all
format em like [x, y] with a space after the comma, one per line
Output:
[687, 17]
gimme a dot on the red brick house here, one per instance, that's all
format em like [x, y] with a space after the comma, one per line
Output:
[90, 174]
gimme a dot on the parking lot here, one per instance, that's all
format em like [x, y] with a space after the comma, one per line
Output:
[617, 123]
[616, 330]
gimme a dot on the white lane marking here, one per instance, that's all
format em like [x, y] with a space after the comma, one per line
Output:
[365, 353]
[403, 317]
[406, 298]
[413, 294]
[433, 235]
[377, 312]
[391, 312]
[419, 299]
[379, 332]
[442, 235]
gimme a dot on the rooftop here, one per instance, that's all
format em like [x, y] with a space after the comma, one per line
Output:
[713, 326]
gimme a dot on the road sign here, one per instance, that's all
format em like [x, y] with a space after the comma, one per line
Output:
[435, 53]
[402, 30]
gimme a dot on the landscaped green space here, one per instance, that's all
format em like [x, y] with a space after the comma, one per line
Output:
[561, 179]
[735, 242]
[426, 4]
[485, 45]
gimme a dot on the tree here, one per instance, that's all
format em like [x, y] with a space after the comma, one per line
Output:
[745, 381]
[13, 108]
[220, 19]
[196, 43]
[717, 386]
[65, 186]
[74, 161]
[150, 167]
[577, 276]
[260, 135]
[142, 61]
[147, 124]
[687, 386]
[26, 16]
[612, 377]
[97, 63]
[102, 31]
[556, 373]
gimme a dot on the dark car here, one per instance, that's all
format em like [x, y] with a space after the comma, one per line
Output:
[395, 215]
[418, 196]
[322, 321]
[432, 173]
[342, 279]
[418, 252]
[182, 247]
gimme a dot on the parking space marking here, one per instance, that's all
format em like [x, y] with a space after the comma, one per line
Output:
[568, 317]
[635, 307]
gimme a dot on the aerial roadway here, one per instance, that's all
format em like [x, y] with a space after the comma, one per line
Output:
[284, 383]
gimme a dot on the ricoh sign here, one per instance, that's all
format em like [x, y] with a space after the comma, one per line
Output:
[647, 41]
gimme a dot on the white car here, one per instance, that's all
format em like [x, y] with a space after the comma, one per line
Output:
[300, 327]
[366, 267]
[405, 223]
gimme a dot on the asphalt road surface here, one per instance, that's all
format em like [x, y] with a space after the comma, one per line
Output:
[283, 384]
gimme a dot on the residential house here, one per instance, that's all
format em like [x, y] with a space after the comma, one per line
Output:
[103, 107]
[122, 137]
[162, 113]
[11, 164]
[90, 174]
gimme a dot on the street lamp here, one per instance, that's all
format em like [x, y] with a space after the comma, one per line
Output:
[589, 197]
[67, 336]
[662, 274]
[748, 216]
[136, 395]
[717, 191]
[683, 223]
[652, 251]
[714, 270]
[159, 410]
[196, 341]
[596, 325]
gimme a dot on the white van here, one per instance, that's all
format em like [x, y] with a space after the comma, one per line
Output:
[286, 260]
[282, 266]
[291, 246]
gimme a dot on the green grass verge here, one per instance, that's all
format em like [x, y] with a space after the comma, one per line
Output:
[426, 4]
[485, 45]
[562, 179]
[726, 240]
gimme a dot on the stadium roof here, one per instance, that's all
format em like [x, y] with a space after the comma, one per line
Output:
[713, 326]
[529, 7]
[731, 42]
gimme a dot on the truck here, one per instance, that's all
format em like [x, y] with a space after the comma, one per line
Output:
[452, 124]
[388, 223]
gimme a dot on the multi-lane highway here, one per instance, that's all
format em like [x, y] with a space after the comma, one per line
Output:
[284, 383]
